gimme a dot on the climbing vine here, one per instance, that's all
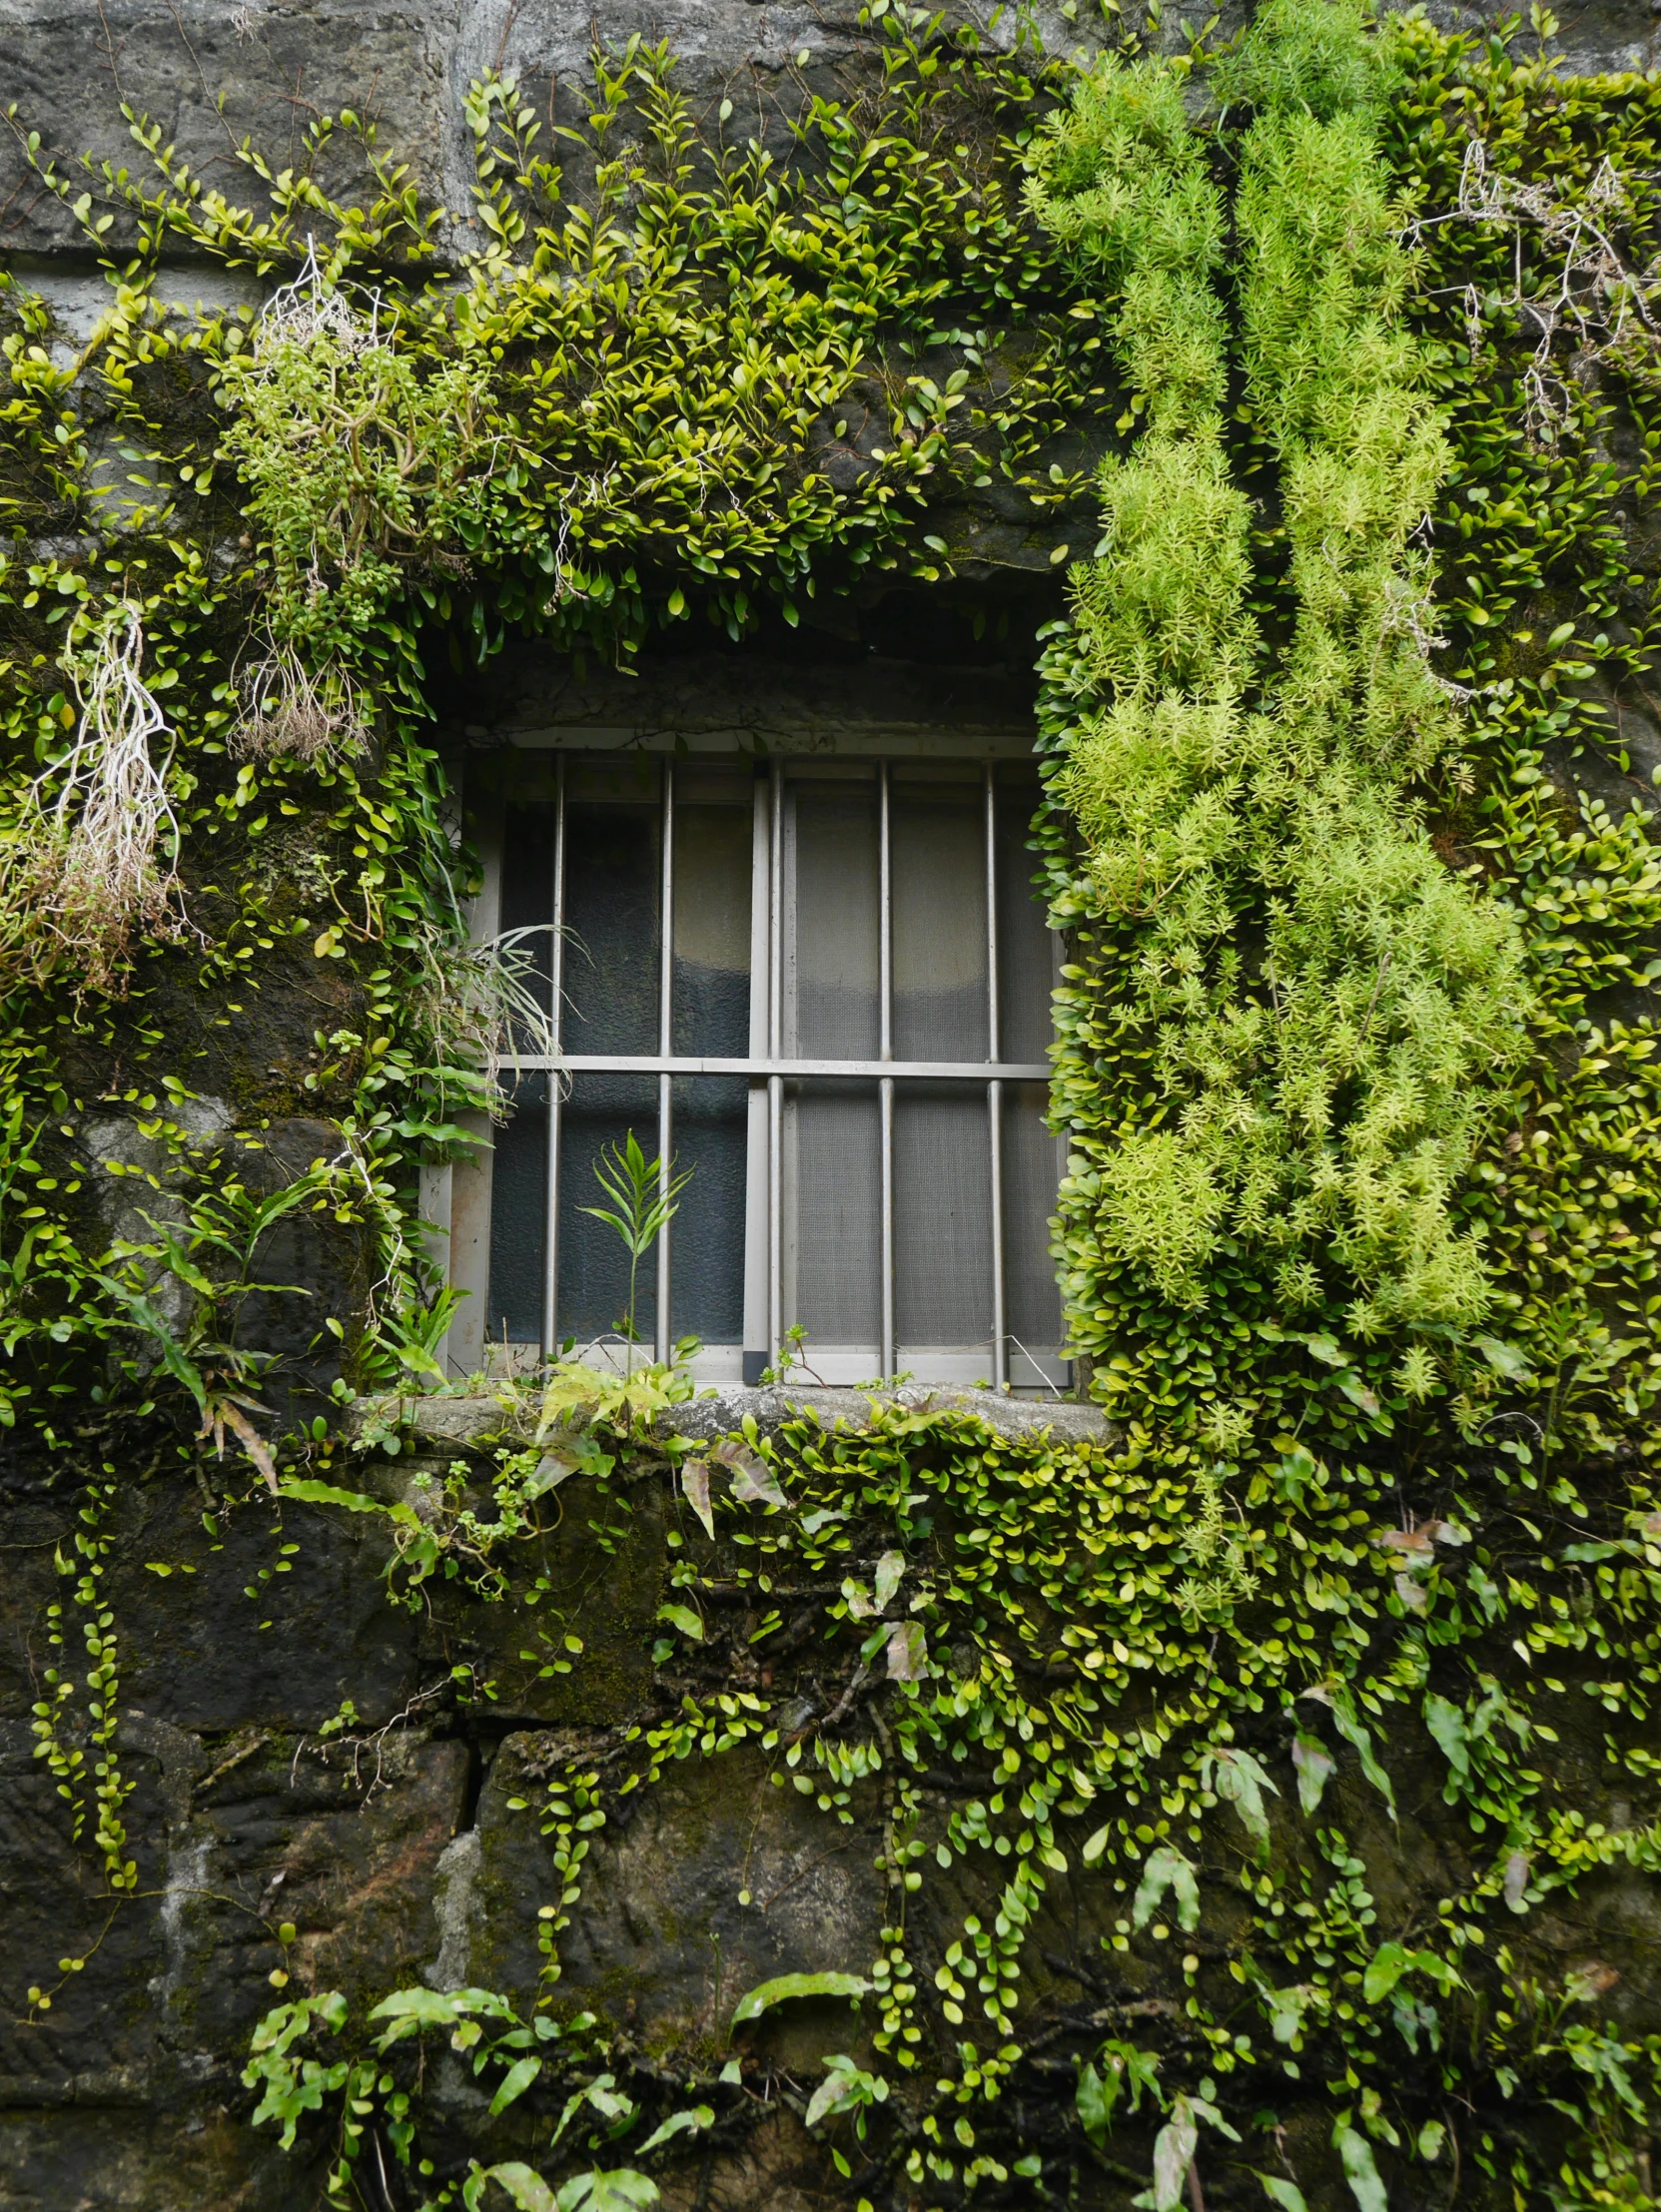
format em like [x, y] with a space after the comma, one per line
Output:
[1189, 1761]
[1267, 1732]
[670, 388]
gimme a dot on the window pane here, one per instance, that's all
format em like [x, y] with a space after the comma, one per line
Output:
[594, 1266]
[937, 838]
[527, 889]
[942, 1215]
[831, 951]
[832, 1167]
[1026, 950]
[833, 1194]
[706, 1275]
[1031, 1163]
[612, 876]
[518, 1201]
[714, 852]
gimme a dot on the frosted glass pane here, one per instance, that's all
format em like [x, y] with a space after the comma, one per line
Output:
[834, 1194]
[612, 876]
[714, 848]
[518, 1214]
[1031, 1177]
[706, 1276]
[615, 779]
[938, 856]
[527, 888]
[1026, 950]
[831, 1009]
[593, 1266]
[942, 1215]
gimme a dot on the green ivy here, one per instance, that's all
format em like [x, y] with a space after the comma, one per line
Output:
[1200, 1751]
[1356, 1043]
[689, 386]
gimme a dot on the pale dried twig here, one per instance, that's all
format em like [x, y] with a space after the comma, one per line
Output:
[1591, 292]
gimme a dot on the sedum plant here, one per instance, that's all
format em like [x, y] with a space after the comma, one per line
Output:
[1304, 1008]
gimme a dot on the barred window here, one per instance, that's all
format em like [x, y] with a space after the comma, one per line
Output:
[822, 985]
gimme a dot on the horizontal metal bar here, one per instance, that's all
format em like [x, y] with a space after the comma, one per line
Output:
[859, 1070]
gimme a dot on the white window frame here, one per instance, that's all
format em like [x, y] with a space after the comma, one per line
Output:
[456, 1200]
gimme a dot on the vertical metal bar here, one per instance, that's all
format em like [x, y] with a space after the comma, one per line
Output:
[1000, 1316]
[775, 917]
[756, 1137]
[775, 1218]
[556, 982]
[994, 1095]
[665, 1044]
[775, 1084]
[885, 1105]
[473, 1175]
[993, 1024]
[885, 924]
[885, 1087]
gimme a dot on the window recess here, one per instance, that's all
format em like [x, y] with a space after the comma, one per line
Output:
[822, 986]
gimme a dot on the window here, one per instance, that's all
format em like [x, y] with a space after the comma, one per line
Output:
[845, 1045]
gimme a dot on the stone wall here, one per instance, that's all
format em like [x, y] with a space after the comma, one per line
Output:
[397, 1845]
[398, 1835]
[394, 1844]
[214, 76]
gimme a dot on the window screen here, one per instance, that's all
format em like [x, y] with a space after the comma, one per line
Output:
[822, 987]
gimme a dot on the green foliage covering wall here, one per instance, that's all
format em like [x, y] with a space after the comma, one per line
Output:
[1317, 1036]
[1357, 1041]
[631, 407]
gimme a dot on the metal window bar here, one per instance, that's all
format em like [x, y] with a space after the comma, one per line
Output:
[885, 1086]
[995, 1092]
[665, 1045]
[791, 1071]
[556, 982]
[775, 1081]
[758, 1137]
